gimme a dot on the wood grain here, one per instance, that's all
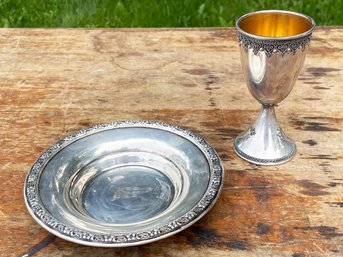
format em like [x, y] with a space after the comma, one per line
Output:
[57, 81]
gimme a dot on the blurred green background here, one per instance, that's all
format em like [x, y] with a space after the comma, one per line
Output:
[150, 13]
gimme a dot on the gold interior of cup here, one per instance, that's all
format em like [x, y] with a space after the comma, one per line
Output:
[275, 24]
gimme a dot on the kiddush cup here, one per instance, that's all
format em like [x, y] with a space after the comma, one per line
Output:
[273, 46]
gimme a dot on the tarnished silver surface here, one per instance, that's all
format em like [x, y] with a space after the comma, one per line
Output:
[271, 66]
[123, 183]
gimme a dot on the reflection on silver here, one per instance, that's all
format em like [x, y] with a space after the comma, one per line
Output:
[257, 67]
[271, 66]
[123, 183]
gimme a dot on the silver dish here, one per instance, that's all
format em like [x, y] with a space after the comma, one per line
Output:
[123, 183]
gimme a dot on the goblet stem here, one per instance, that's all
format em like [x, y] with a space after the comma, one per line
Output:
[265, 143]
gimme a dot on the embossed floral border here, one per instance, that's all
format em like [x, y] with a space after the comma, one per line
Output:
[270, 46]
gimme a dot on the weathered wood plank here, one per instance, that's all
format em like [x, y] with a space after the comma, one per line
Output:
[54, 82]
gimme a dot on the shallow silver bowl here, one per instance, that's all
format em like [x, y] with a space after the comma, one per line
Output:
[123, 183]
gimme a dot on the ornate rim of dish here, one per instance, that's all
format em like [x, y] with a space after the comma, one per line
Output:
[47, 220]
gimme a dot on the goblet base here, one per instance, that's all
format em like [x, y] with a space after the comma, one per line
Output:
[265, 143]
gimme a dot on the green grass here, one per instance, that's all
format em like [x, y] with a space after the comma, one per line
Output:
[150, 13]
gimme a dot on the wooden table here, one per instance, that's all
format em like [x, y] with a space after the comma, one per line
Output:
[57, 81]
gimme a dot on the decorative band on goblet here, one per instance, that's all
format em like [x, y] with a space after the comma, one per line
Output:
[273, 46]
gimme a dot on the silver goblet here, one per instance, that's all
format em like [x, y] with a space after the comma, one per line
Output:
[273, 45]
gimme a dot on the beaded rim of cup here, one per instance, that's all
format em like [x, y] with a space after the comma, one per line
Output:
[271, 45]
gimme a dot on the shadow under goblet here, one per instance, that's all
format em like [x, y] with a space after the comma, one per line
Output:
[273, 46]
